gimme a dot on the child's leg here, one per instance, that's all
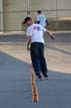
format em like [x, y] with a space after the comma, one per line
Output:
[35, 58]
[43, 61]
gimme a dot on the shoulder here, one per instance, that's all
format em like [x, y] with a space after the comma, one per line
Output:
[29, 31]
[29, 28]
[38, 25]
[39, 16]
[43, 16]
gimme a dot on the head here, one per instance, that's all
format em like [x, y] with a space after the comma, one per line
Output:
[39, 12]
[28, 21]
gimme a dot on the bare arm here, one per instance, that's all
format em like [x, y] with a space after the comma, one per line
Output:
[28, 42]
[51, 35]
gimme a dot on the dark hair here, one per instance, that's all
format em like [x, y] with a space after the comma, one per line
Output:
[27, 19]
[39, 11]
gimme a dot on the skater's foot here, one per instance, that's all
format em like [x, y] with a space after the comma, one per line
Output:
[46, 76]
[39, 76]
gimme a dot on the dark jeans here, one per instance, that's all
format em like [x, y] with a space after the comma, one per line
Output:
[38, 59]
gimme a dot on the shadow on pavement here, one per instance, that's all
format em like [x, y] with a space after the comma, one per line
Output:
[60, 37]
[15, 86]
[56, 92]
[13, 38]
[15, 82]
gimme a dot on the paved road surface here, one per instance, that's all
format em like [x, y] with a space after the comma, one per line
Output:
[15, 79]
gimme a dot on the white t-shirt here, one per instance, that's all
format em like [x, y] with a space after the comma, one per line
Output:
[36, 32]
[42, 18]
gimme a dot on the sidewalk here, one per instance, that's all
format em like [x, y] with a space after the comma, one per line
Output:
[22, 32]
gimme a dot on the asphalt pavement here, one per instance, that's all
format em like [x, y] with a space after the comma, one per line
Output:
[15, 77]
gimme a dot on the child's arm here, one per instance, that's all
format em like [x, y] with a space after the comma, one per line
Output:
[28, 42]
[51, 35]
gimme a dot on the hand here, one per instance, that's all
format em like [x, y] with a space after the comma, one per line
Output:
[52, 37]
[28, 46]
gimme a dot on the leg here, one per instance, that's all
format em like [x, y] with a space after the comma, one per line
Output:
[43, 61]
[35, 58]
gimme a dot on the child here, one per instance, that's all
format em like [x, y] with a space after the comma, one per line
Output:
[41, 19]
[35, 38]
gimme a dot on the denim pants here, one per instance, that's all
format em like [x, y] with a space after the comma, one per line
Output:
[38, 59]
